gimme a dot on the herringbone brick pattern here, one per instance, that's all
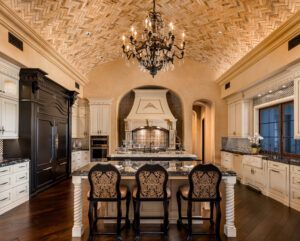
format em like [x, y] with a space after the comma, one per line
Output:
[219, 32]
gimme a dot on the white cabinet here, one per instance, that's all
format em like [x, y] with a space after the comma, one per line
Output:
[80, 119]
[278, 181]
[227, 160]
[297, 108]
[100, 117]
[14, 186]
[9, 118]
[9, 100]
[295, 187]
[80, 159]
[238, 118]
[254, 172]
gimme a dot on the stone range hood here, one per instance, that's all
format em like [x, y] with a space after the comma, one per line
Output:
[151, 109]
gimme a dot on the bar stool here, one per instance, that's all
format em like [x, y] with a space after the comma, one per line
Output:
[105, 186]
[204, 182]
[151, 182]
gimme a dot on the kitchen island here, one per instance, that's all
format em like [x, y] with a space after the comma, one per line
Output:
[178, 175]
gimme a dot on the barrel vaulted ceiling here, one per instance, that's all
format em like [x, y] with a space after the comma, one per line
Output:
[219, 32]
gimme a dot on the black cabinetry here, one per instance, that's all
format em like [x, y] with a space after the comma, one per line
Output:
[45, 128]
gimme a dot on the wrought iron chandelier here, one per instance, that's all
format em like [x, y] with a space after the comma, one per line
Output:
[155, 51]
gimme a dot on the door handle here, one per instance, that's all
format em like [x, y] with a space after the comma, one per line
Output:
[3, 199]
[63, 163]
[4, 171]
[4, 183]
[275, 171]
[48, 168]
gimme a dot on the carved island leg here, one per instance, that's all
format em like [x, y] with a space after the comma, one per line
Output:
[229, 227]
[77, 229]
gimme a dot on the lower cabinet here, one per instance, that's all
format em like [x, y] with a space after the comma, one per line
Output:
[227, 160]
[80, 159]
[14, 186]
[278, 182]
[295, 187]
[254, 170]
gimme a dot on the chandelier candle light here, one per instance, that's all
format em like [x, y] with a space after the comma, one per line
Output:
[155, 51]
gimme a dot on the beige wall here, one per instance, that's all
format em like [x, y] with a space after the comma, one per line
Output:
[31, 58]
[191, 81]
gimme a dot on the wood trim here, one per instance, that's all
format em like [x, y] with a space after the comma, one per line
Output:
[285, 32]
[10, 20]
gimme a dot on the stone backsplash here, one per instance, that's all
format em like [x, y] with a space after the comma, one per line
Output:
[236, 144]
[1, 150]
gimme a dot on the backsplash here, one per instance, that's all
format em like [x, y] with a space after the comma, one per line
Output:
[236, 144]
[80, 143]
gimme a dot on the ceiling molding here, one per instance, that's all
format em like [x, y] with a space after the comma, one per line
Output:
[280, 36]
[10, 20]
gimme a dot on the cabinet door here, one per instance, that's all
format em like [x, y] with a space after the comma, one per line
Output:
[238, 119]
[81, 127]
[94, 120]
[297, 108]
[104, 120]
[231, 119]
[9, 87]
[45, 156]
[276, 181]
[61, 148]
[10, 118]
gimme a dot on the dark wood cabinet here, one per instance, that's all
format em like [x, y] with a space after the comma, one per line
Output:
[45, 128]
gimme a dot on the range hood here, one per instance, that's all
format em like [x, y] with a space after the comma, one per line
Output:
[151, 109]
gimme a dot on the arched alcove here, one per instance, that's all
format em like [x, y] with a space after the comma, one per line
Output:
[126, 103]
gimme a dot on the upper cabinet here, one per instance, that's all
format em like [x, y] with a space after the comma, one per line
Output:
[238, 118]
[297, 108]
[80, 127]
[100, 111]
[9, 100]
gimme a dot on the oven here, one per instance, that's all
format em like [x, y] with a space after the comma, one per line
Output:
[99, 148]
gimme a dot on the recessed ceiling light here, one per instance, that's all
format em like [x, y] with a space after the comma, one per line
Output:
[88, 34]
[259, 95]
[284, 86]
[270, 91]
[220, 32]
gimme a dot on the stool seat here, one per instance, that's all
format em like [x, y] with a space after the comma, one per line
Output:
[123, 190]
[134, 192]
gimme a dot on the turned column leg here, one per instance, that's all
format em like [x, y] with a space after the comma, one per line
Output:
[77, 229]
[229, 227]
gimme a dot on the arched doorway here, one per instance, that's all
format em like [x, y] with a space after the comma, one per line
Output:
[203, 130]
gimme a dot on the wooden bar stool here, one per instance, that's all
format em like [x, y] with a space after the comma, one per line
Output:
[151, 182]
[105, 186]
[204, 182]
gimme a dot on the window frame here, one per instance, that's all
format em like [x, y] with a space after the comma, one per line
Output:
[281, 122]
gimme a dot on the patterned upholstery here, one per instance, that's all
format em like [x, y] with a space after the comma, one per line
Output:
[152, 181]
[205, 181]
[104, 180]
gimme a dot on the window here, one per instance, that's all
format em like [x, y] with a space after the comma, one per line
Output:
[276, 125]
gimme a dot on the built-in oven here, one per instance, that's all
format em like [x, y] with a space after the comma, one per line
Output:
[99, 148]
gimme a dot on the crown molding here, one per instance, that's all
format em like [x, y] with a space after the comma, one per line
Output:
[10, 20]
[284, 33]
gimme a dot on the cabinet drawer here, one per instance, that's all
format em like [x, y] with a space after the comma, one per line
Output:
[5, 198]
[253, 161]
[5, 170]
[20, 178]
[21, 191]
[5, 182]
[21, 167]
[276, 165]
[295, 169]
[295, 196]
[295, 180]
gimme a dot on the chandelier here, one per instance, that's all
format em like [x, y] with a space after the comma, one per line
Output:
[154, 51]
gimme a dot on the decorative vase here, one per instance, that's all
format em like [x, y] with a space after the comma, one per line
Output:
[255, 150]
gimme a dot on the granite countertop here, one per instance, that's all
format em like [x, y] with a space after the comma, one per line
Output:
[284, 160]
[12, 161]
[177, 171]
[157, 156]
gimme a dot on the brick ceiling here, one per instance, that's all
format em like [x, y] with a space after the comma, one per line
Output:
[218, 32]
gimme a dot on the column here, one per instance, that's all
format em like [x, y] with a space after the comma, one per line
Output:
[77, 229]
[229, 228]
